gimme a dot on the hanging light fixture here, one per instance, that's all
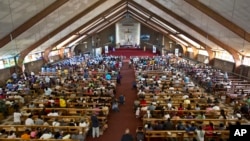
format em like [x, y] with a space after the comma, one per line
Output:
[243, 44]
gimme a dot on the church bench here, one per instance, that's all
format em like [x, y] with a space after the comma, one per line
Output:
[176, 105]
[194, 113]
[69, 111]
[176, 94]
[22, 128]
[77, 105]
[19, 139]
[173, 99]
[181, 134]
[204, 121]
[65, 118]
[94, 97]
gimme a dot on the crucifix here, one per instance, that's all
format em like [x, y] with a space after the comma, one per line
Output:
[127, 36]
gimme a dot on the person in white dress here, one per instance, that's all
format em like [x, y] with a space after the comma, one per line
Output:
[137, 112]
[200, 133]
[17, 117]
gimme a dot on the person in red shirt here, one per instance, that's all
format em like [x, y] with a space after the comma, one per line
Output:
[143, 102]
[209, 129]
[180, 110]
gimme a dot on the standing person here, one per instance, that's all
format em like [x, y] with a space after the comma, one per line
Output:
[200, 133]
[121, 99]
[95, 126]
[137, 112]
[17, 117]
[118, 78]
[127, 136]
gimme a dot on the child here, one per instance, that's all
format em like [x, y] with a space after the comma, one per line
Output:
[137, 112]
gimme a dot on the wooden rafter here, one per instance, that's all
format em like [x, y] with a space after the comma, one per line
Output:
[207, 47]
[103, 14]
[220, 19]
[57, 30]
[157, 30]
[228, 48]
[31, 22]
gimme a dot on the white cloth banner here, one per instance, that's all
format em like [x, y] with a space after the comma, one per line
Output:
[154, 49]
[176, 52]
[106, 49]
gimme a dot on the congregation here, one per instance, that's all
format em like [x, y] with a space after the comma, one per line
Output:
[175, 99]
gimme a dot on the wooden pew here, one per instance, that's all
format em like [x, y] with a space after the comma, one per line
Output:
[66, 119]
[21, 128]
[181, 134]
[68, 111]
[204, 121]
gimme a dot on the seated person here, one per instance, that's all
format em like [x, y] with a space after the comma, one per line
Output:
[186, 101]
[47, 91]
[53, 113]
[46, 135]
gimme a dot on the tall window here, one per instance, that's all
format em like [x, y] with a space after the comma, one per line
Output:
[1, 64]
[203, 52]
[223, 55]
[189, 49]
[246, 61]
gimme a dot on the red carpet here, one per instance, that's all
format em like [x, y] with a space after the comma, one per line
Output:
[131, 52]
[119, 121]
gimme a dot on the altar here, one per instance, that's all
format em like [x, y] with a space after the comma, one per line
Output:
[127, 33]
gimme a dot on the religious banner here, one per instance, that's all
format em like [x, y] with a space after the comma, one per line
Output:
[106, 49]
[154, 49]
[176, 52]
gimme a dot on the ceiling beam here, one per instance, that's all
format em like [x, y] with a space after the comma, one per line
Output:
[147, 22]
[228, 48]
[31, 22]
[100, 28]
[103, 14]
[110, 23]
[220, 19]
[158, 30]
[207, 47]
[57, 30]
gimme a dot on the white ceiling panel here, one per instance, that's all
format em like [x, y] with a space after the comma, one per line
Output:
[51, 22]
[237, 11]
[199, 19]
[77, 24]
[177, 23]
[13, 13]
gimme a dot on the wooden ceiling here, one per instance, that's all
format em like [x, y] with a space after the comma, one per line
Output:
[29, 26]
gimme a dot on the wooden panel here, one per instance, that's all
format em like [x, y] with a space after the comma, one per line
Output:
[22, 28]
[223, 65]
[228, 48]
[57, 30]
[220, 19]
[207, 47]
[116, 6]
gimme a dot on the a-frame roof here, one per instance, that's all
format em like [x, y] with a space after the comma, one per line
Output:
[29, 26]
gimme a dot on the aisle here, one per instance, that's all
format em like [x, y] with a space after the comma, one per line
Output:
[119, 121]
